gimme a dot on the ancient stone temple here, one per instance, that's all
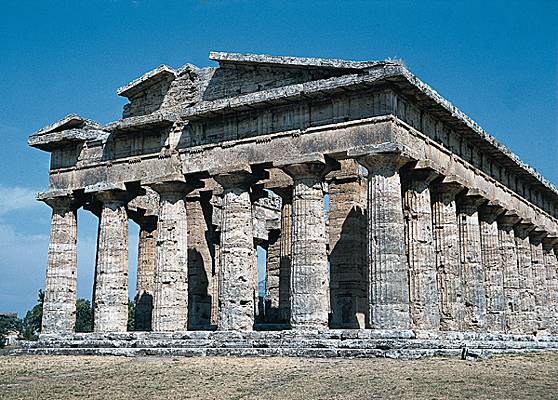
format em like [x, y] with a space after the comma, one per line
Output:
[391, 222]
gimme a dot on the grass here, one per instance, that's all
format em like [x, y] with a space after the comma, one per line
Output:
[533, 376]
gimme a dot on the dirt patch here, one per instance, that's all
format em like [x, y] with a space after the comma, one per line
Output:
[67, 377]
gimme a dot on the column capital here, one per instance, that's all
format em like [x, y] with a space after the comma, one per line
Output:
[112, 196]
[523, 228]
[509, 218]
[537, 235]
[58, 201]
[439, 186]
[286, 193]
[242, 176]
[176, 184]
[550, 240]
[490, 212]
[312, 165]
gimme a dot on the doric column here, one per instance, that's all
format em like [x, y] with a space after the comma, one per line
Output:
[110, 303]
[448, 264]
[471, 262]
[237, 267]
[347, 246]
[423, 293]
[200, 261]
[493, 265]
[551, 264]
[170, 302]
[540, 288]
[506, 236]
[285, 244]
[388, 293]
[526, 284]
[145, 283]
[272, 276]
[309, 273]
[59, 308]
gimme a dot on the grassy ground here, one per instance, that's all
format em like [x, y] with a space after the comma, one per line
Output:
[532, 376]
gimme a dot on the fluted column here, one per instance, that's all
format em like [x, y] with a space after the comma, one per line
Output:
[170, 302]
[551, 264]
[110, 303]
[540, 288]
[526, 284]
[448, 264]
[285, 244]
[309, 274]
[347, 246]
[388, 293]
[237, 266]
[59, 308]
[506, 236]
[493, 265]
[423, 286]
[272, 276]
[200, 261]
[145, 283]
[471, 262]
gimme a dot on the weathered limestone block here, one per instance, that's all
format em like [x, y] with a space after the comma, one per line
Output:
[237, 267]
[110, 302]
[492, 262]
[145, 284]
[471, 261]
[423, 285]
[170, 302]
[309, 275]
[59, 308]
[526, 284]
[388, 294]
[448, 264]
[506, 237]
[348, 247]
[201, 253]
[540, 288]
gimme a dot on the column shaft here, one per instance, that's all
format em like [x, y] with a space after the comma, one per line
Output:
[526, 284]
[200, 262]
[551, 265]
[423, 285]
[348, 248]
[540, 288]
[471, 261]
[236, 278]
[110, 306]
[272, 277]
[145, 284]
[492, 262]
[446, 245]
[506, 236]
[170, 302]
[309, 274]
[59, 308]
[285, 242]
[388, 293]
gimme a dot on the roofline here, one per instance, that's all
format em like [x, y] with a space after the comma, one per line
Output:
[265, 59]
[146, 80]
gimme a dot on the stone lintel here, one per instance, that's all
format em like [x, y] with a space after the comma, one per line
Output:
[387, 148]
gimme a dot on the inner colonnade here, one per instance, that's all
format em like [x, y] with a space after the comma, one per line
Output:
[399, 246]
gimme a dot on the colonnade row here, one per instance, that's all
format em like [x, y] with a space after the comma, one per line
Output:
[408, 249]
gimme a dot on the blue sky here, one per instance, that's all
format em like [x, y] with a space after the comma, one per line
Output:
[496, 60]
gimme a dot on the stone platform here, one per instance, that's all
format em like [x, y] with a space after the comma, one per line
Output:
[329, 343]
